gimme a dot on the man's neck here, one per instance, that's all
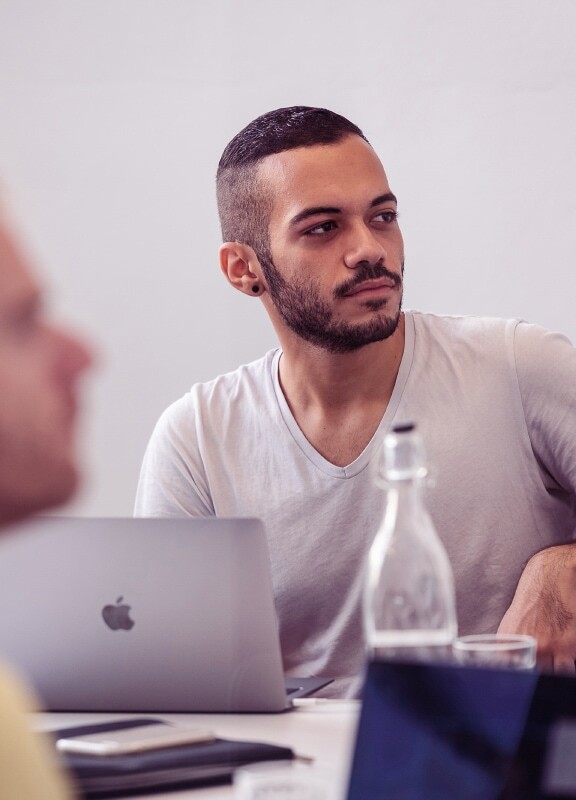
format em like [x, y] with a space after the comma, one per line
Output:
[338, 399]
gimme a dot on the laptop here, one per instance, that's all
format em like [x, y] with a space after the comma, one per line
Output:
[444, 732]
[144, 615]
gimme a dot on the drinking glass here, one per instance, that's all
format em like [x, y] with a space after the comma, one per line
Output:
[515, 651]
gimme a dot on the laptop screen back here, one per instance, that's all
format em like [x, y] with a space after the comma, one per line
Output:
[142, 614]
[442, 732]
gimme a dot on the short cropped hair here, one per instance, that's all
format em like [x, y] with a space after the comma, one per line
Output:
[244, 205]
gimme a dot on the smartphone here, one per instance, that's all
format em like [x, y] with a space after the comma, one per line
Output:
[134, 736]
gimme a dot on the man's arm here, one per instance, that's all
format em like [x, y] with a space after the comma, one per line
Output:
[544, 606]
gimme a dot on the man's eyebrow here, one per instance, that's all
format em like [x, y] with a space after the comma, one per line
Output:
[384, 198]
[312, 212]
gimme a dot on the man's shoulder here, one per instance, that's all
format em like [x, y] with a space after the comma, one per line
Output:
[455, 324]
[470, 328]
[250, 381]
[28, 770]
[455, 333]
[252, 374]
[13, 692]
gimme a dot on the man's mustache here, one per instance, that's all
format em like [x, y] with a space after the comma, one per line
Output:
[367, 273]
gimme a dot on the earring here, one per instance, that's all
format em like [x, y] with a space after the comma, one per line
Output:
[256, 289]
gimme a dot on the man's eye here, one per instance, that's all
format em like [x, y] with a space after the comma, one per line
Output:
[386, 216]
[323, 227]
[24, 320]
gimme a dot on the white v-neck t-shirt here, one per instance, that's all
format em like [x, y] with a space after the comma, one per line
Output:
[495, 401]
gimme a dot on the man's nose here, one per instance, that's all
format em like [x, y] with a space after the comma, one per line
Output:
[73, 355]
[364, 248]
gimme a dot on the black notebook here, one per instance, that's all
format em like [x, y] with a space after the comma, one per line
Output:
[164, 768]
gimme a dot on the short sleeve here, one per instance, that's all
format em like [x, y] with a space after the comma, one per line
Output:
[546, 371]
[172, 481]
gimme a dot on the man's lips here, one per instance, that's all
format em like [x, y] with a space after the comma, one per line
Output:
[69, 407]
[371, 286]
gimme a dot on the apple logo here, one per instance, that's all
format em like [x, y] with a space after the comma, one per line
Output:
[118, 617]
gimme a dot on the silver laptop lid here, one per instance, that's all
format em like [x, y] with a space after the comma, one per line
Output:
[142, 614]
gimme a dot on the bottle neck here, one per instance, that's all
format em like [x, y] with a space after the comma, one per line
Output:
[405, 502]
[407, 489]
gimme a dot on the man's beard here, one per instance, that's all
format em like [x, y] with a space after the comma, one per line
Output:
[308, 316]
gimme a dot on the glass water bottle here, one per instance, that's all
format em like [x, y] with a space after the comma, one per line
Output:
[409, 600]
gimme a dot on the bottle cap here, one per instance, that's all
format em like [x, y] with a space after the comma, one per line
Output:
[403, 454]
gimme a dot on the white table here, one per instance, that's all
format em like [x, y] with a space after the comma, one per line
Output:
[318, 728]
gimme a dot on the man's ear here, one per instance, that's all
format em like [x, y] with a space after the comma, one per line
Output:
[240, 265]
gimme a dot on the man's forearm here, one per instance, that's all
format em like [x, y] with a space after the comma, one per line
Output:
[544, 606]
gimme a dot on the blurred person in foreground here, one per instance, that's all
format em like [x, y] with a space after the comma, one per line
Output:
[39, 370]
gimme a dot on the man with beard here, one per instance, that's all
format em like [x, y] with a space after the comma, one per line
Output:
[39, 370]
[310, 227]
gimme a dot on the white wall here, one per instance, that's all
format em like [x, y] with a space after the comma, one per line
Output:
[113, 114]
